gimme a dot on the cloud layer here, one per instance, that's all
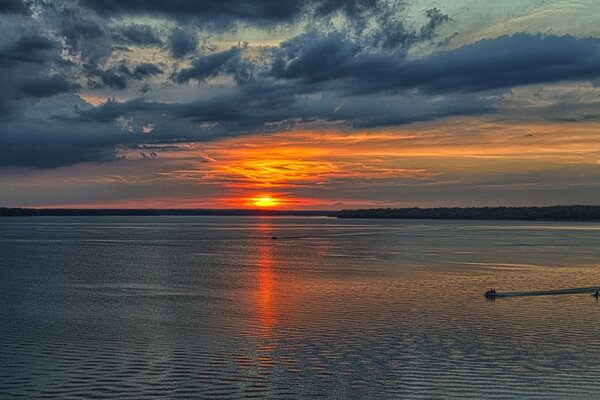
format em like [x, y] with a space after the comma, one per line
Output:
[181, 71]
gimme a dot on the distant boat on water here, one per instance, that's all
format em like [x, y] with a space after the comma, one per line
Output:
[594, 290]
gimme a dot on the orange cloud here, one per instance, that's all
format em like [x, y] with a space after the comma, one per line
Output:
[286, 166]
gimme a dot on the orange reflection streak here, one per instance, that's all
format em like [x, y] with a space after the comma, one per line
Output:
[266, 282]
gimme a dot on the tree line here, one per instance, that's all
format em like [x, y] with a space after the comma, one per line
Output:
[553, 213]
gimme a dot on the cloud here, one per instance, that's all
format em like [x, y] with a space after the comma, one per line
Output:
[144, 70]
[209, 66]
[31, 67]
[47, 86]
[27, 49]
[14, 7]
[117, 77]
[52, 144]
[504, 62]
[85, 34]
[260, 11]
[362, 68]
[57, 140]
[507, 61]
[352, 89]
[314, 58]
[436, 18]
[137, 34]
[182, 42]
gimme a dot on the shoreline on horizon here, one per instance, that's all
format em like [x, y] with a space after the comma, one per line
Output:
[550, 213]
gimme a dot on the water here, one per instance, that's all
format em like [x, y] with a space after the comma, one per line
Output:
[213, 307]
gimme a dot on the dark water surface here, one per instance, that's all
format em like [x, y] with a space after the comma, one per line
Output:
[213, 307]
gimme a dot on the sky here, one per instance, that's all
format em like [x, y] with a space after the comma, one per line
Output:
[308, 104]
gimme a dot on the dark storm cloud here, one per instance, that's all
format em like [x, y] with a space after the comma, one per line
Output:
[80, 30]
[266, 9]
[256, 10]
[47, 86]
[337, 70]
[264, 107]
[315, 58]
[272, 107]
[108, 112]
[349, 7]
[145, 70]
[53, 146]
[89, 37]
[363, 74]
[257, 108]
[504, 62]
[137, 34]
[118, 76]
[182, 42]
[209, 66]
[53, 154]
[113, 79]
[14, 7]
[27, 49]
[30, 68]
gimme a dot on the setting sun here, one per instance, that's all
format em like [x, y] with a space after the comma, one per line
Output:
[265, 201]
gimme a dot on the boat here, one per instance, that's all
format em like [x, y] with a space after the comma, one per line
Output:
[594, 291]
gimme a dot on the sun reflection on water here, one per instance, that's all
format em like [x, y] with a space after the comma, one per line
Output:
[266, 280]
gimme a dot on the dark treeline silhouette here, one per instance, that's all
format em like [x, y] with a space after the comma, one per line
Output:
[553, 213]
[49, 212]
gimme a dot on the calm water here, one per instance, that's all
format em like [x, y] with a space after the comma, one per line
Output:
[213, 307]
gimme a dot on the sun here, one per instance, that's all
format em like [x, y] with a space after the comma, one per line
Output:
[265, 201]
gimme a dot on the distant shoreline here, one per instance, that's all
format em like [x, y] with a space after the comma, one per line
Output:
[552, 213]
[116, 212]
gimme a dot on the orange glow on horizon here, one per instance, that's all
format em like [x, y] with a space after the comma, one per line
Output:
[360, 169]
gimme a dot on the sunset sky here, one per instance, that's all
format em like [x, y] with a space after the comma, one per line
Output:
[324, 104]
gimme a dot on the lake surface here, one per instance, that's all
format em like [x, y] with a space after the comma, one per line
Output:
[214, 307]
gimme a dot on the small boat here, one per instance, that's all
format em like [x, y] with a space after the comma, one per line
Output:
[594, 291]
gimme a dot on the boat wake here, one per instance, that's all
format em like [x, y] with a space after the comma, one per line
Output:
[594, 290]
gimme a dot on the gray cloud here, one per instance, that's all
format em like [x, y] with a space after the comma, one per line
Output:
[314, 58]
[259, 11]
[14, 7]
[362, 74]
[27, 49]
[499, 63]
[436, 19]
[137, 34]
[52, 154]
[47, 86]
[504, 62]
[85, 34]
[145, 70]
[182, 42]
[209, 66]
[117, 77]
[113, 79]
[352, 89]
[31, 67]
